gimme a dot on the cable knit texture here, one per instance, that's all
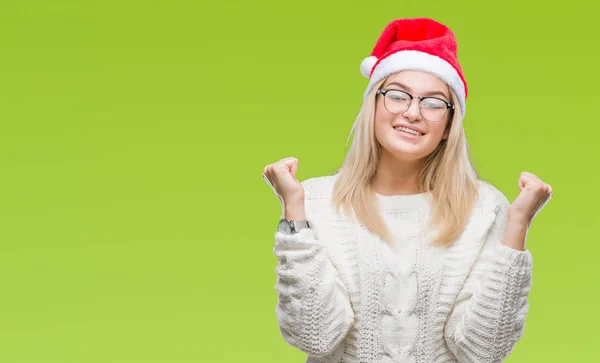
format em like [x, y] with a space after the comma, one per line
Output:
[346, 296]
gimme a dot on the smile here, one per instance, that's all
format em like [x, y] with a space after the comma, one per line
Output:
[407, 130]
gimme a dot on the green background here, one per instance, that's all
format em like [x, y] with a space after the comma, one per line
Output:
[135, 225]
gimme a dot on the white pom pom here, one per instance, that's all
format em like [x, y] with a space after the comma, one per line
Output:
[366, 65]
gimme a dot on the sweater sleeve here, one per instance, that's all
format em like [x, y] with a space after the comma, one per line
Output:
[313, 309]
[488, 318]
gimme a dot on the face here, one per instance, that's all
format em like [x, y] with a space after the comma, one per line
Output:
[402, 144]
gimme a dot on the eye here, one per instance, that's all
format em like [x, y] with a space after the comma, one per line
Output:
[433, 103]
[397, 96]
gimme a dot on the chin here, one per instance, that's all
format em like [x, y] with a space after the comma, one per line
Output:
[407, 152]
[408, 156]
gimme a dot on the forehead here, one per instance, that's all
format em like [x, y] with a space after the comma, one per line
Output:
[419, 82]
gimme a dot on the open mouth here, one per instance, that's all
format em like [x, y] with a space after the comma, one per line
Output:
[408, 131]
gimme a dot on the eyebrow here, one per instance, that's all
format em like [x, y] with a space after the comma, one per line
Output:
[439, 93]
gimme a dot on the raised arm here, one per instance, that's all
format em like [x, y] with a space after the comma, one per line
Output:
[314, 312]
[489, 315]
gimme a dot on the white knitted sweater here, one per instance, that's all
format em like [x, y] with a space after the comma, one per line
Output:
[344, 295]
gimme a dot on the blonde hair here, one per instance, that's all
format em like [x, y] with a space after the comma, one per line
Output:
[447, 173]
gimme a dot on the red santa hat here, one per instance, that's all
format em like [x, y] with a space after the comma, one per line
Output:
[419, 44]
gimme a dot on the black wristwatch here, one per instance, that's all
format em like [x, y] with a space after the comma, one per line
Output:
[291, 227]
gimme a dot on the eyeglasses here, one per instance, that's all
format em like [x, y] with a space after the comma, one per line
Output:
[432, 108]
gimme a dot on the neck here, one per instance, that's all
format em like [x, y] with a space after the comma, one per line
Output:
[396, 177]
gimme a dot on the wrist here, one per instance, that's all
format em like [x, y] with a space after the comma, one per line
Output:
[518, 219]
[294, 213]
[515, 235]
[293, 208]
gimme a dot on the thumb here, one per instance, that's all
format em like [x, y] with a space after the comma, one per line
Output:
[294, 167]
[291, 165]
[524, 181]
[521, 184]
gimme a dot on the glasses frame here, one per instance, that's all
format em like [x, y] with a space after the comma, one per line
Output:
[383, 91]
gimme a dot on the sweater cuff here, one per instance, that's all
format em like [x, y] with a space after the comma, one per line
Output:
[515, 258]
[300, 240]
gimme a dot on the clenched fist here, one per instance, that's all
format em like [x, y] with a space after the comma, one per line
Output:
[533, 197]
[281, 176]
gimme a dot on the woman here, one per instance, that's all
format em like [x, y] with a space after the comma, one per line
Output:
[404, 255]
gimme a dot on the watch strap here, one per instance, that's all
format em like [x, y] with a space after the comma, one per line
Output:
[300, 225]
[292, 227]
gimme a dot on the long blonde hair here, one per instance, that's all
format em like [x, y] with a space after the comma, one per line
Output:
[447, 173]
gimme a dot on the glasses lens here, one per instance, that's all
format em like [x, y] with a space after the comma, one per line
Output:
[433, 109]
[396, 101]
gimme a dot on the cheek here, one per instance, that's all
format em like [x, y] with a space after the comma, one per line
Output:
[381, 112]
[383, 118]
[436, 133]
[382, 127]
[437, 130]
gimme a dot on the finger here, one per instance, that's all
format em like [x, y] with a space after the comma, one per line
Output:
[543, 204]
[294, 168]
[532, 175]
[548, 190]
[521, 182]
[269, 170]
[529, 176]
[529, 181]
[289, 163]
[524, 180]
[532, 180]
[288, 159]
[541, 187]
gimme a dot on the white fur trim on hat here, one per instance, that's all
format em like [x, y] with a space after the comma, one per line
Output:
[419, 61]
[366, 65]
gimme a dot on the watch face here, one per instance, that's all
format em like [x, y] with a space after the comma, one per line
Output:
[284, 226]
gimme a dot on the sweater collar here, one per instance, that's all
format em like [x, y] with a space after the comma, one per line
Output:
[390, 203]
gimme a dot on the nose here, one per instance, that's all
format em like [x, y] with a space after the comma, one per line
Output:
[413, 112]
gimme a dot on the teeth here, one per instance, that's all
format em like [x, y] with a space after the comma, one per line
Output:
[408, 130]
